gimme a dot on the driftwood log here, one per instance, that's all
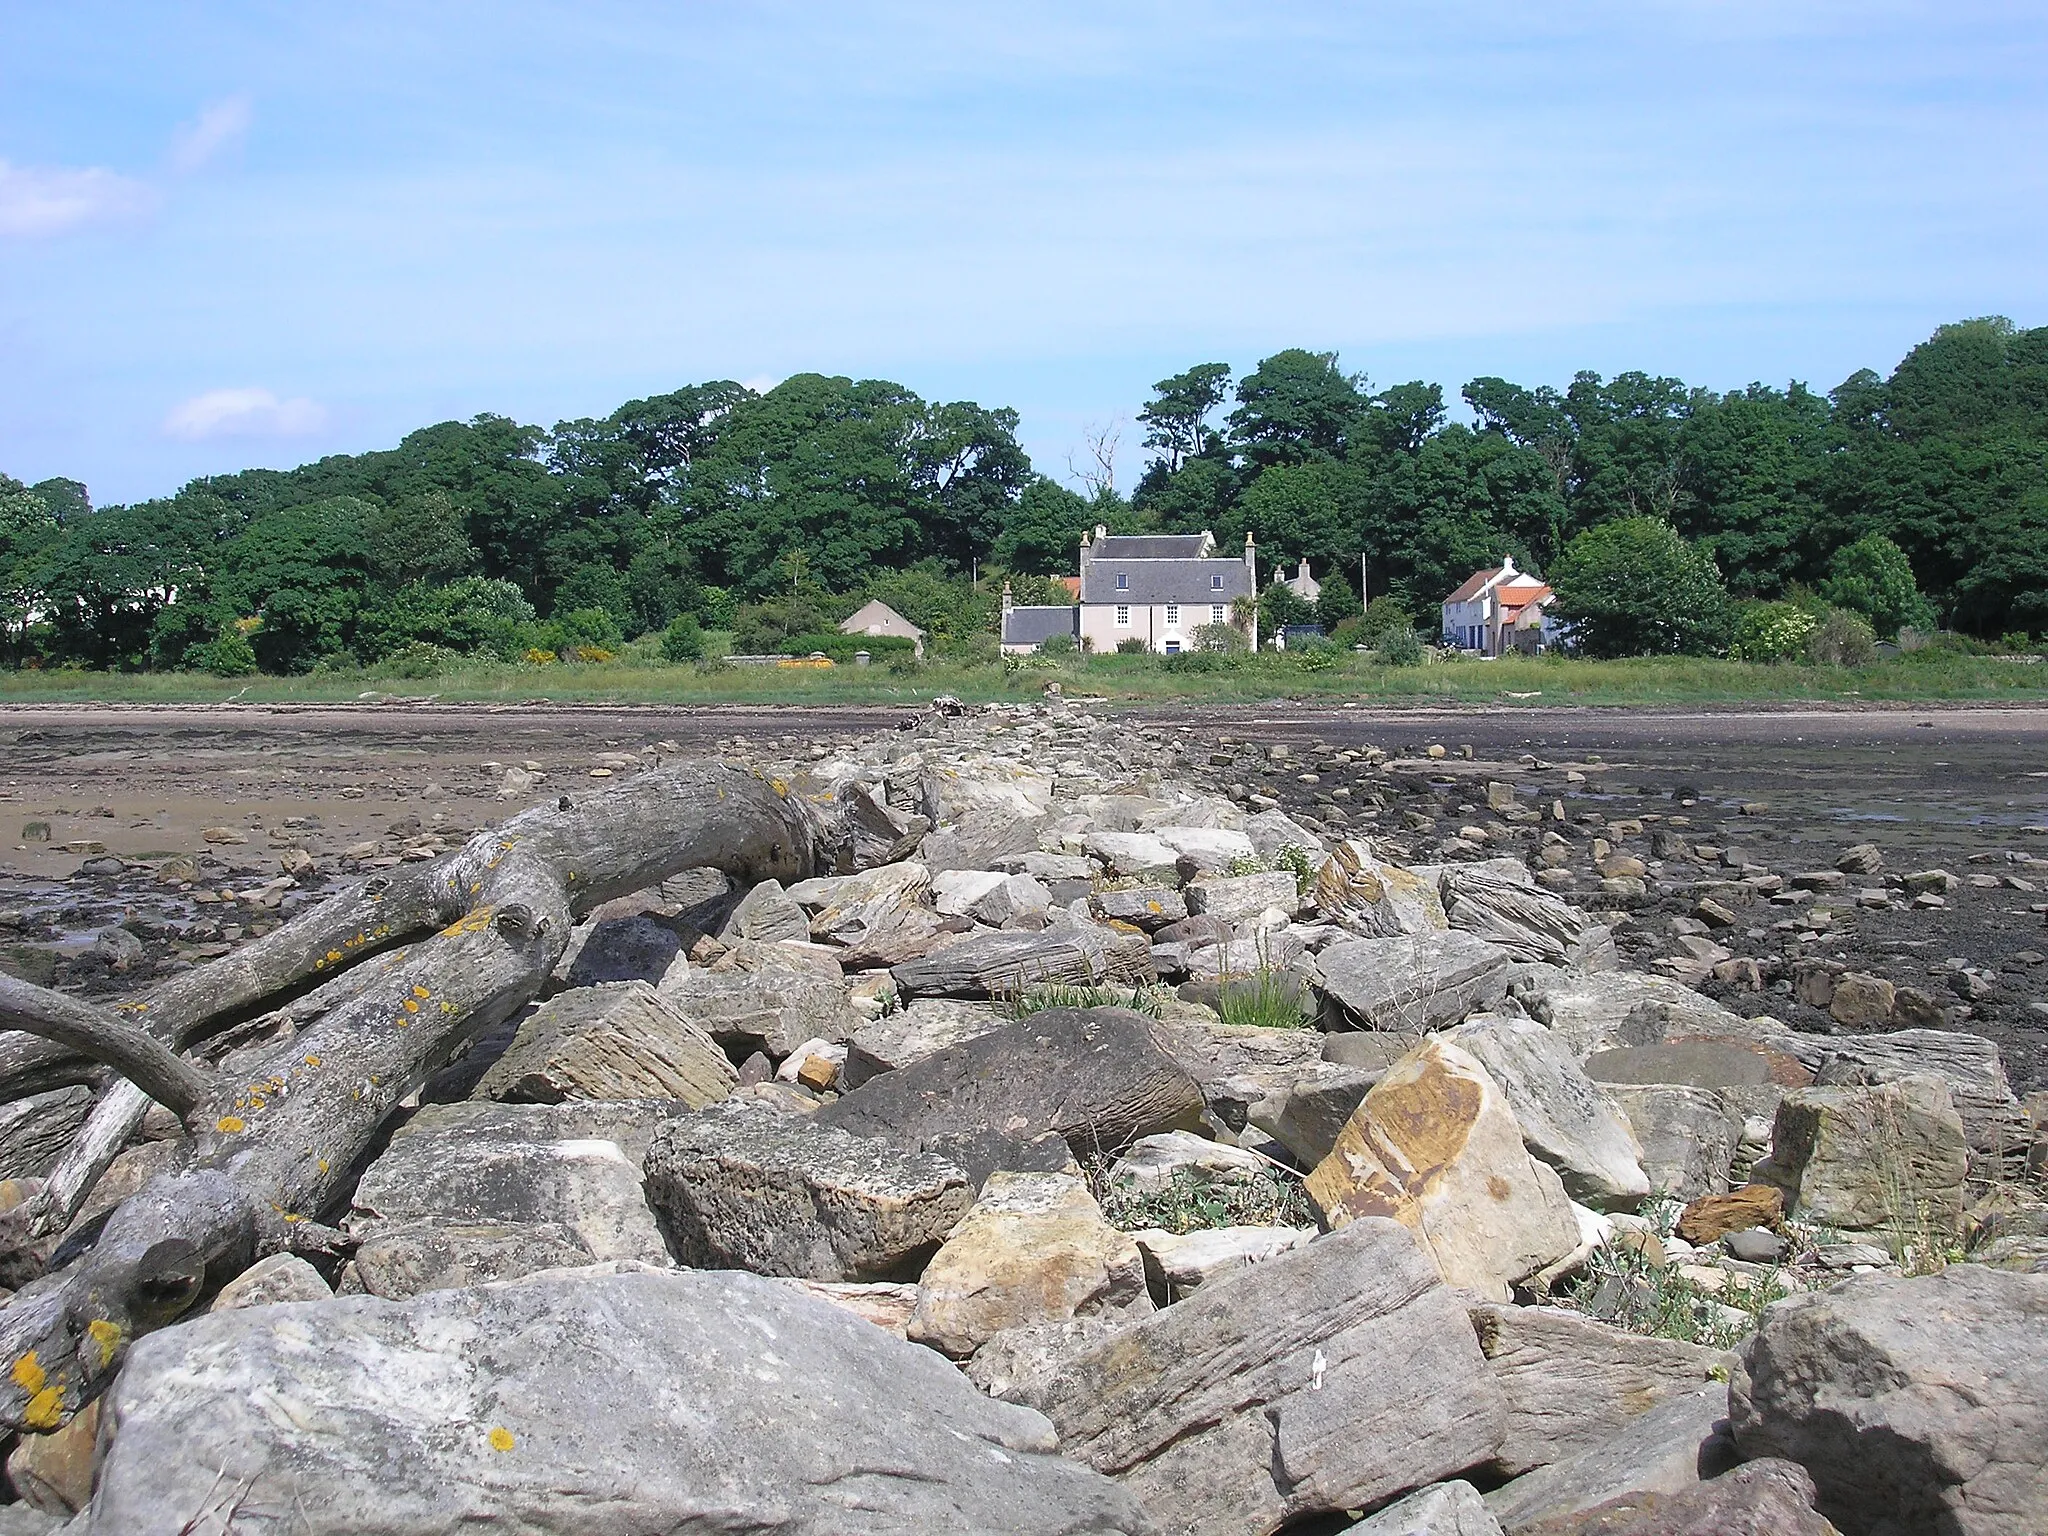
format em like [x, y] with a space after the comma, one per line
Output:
[369, 994]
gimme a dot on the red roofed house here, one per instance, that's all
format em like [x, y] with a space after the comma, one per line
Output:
[1498, 610]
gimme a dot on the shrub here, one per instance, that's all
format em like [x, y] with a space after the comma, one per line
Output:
[1131, 647]
[1401, 648]
[1227, 638]
[1315, 655]
[1843, 640]
[1873, 578]
[535, 656]
[841, 648]
[420, 659]
[1633, 587]
[1383, 616]
[1058, 645]
[2016, 643]
[227, 655]
[1771, 632]
[683, 639]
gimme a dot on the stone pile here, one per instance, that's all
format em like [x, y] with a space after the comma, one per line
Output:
[1089, 1150]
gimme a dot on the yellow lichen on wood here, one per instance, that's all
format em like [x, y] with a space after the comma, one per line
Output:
[105, 1338]
[502, 1439]
[230, 1125]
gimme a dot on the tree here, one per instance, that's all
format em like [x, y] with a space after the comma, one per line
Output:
[420, 539]
[1873, 577]
[1176, 418]
[1042, 534]
[1294, 407]
[1336, 602]
[1633, 587]
[1280, 605]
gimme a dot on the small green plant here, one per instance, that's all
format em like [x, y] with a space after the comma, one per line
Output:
[1623, 1287]
[1400, 648]
[1843, 639]
[1266, 999]
[1300, 863]
[1190, 1202]
[230, 655]
[1036, 998]
[683, 640]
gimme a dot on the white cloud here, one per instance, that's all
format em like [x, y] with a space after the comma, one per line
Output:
[217, 127]
[243, 413]
[51, 200]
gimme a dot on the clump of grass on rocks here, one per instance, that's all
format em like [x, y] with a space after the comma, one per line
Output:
[1191, 1203]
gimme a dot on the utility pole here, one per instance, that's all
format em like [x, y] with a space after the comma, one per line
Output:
[1364, 591]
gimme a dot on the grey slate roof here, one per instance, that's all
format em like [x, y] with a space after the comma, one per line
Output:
[1164, 581]
[1035, 626]
[1148, 546]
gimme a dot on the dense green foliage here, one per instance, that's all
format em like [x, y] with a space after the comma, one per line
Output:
[1918, 500]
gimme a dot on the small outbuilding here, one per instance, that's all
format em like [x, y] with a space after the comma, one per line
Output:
[877, 618]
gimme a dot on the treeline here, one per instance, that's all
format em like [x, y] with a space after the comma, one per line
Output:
[771, 514]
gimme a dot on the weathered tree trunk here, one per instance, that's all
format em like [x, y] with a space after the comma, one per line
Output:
[277, 1143]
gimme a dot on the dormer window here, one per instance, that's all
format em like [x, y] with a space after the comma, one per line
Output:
[1123, 582]
[1216, 583]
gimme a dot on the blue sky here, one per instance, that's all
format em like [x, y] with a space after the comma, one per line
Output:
[238, 234]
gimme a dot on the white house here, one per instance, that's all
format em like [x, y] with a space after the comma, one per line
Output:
[1496, 610]
[878, 618]
[1160, 588]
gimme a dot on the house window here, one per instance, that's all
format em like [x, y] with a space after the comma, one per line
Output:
[1216, 583]
[1216, 614]
[1123, 582]
[1173, 647]
[1173, 615]
[1123, 615]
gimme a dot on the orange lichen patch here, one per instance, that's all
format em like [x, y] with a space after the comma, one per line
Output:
[502, 1439]
[412, 1005]
[421, 993]
[470, 922]
[45, 1411]
[230, 1125]
[312, 1061]
[29, 1374]
[104, 1338]
[1390, 1154]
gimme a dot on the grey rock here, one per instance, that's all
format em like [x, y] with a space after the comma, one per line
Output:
[1441, 1509]
[1287, 1391]
[1529, 924]
[1889, 1158]
[1177, 1264]
[117, 948]
[1362, 893]
[1128, 854]
[925, 1025]
[1571, 1383]
[623, 1041]
[486, 1191]
[1771, 1497]
[1679, 1443]
[1232, 898]
[999, 964]
[1150, 907]
[1918, 1405]
[1271, 833]
[1970, 1064]
[585, 1404]
[1318, 1104]
[1755, 1245]
[1018, 1365]
[273, 1281]
[1601, 1010]
[638, 947]
[1687, 1135]
[1415, 982]
[1566, 1120]
[749, 1186]
[35, 1131]
[1153, 1162]
[766, 913]
[1095, 1077]
[773, 1011]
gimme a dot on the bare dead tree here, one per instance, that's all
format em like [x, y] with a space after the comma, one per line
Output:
[404, 970]
[1099, 443]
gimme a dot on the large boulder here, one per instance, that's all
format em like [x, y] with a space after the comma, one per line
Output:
[1179, 1263]
[1969, 1064]
[1919, 1406]
[1435, 1146]
[925, 1025]
[1676, 1445]
[1034, 1248]
[1294, 1389]
[1566, 1120]
[1772, 1497]
[623, 1041]
[1571, 1383]
[1890, 1158]
[1362, 893]
[1003, 964]
[1441, 1509]
[766, 913]
[584, 1404]
[1607, 1009]
[1240, 1066]
[1233, 898]
[1094, 1077]
[774, 1009]
[1687, 1135]
[879, 917]
[752, 1186]
[1529, 923]
[1415, 982]
[481, 1191]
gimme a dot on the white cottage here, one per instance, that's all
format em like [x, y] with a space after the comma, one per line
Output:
[1160, 588]
[1497, 610]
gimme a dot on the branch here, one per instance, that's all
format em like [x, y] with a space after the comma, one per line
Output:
[137, 1055]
